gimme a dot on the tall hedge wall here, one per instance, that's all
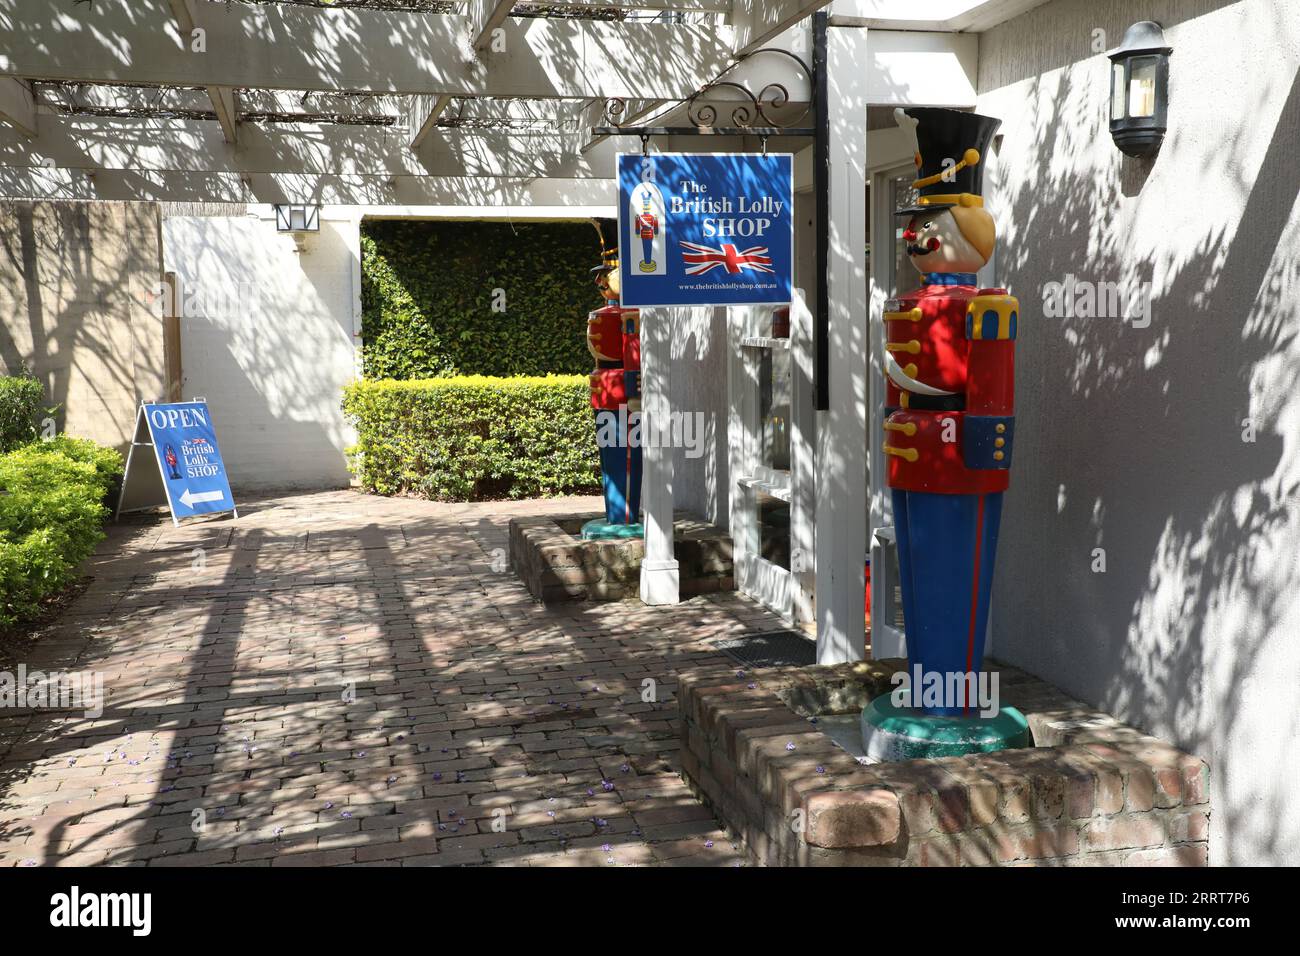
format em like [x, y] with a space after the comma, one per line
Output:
[474, 438]
[428, 291]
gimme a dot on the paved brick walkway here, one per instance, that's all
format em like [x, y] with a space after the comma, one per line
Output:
[340, 679]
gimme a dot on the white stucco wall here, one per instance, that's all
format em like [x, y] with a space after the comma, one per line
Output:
[1131, 439]
[267, 338]
[273, 363]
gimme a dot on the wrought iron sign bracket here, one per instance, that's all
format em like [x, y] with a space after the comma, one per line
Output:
[646, 132]
[758, 114]
[753, 114]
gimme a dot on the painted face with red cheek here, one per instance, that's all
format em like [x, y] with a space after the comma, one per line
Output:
[935, 244]
[922, 236]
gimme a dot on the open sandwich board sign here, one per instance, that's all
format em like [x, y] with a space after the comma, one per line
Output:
[191, 477]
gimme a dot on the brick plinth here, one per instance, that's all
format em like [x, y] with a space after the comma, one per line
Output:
[1092, 792]
[555, 565]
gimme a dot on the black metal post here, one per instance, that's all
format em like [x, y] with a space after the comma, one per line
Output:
[822, 187]
[761, 131]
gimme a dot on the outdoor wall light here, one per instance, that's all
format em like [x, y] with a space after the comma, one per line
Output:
[297, 217]
[1139, 89]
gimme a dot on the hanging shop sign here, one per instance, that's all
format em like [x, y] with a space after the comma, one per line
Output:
[706, 229]
[184, 444]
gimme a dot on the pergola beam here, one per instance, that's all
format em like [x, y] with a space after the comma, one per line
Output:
[224, 101]
[487, 16]
[658, 6]
[758, 21]
[296, 47]
[17, 106]
[183, 11]
[423, 116]
[318, 77]
[146, 145]
[144, 100]
[178, 186]
[223, 97]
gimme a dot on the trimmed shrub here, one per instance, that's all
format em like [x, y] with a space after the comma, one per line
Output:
[475, 438]
[21, 397]
[476, 298]
[51, 517]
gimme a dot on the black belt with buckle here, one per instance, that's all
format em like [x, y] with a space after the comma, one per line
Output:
[936, 403]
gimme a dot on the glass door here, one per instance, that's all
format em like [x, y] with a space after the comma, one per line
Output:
[891, 272]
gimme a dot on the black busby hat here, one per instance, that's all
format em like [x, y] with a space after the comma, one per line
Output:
[610, 261]
[951, 150]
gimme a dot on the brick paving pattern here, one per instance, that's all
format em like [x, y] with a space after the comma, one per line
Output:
[335, 679]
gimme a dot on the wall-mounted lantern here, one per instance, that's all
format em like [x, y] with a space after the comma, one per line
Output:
[299, 220]
[1139, 89]
[297, 217]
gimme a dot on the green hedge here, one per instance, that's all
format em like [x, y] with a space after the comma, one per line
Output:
[428, 291]
[475, 438]
[21, 397]
[51, 517]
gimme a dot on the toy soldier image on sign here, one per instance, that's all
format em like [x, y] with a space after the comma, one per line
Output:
[948, 436]
[172, 462]
[647, 217]
[614, 340]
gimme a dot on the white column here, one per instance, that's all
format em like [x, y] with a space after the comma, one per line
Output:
[739, 440]
[886, 639]
[803, 461]
[659, 579]
[841, 544]
[351, 232]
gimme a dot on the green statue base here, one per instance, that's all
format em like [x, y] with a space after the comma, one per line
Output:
[598, 529]
[891, 733]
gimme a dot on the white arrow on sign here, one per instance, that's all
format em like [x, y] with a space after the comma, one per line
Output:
[189, 499]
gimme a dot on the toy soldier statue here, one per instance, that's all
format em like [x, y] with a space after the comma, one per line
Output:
[949, 430]
[614, 340]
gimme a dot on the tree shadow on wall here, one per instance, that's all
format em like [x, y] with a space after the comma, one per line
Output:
[1137, 448]
[68, 271]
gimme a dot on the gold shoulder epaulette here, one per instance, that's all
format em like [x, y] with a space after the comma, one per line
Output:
[992, 317]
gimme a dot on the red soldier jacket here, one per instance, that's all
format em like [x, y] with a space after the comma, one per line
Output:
[951, 389]
[614, 339]
[647, 225]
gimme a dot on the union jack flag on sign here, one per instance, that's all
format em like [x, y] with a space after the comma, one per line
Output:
[701, 259]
